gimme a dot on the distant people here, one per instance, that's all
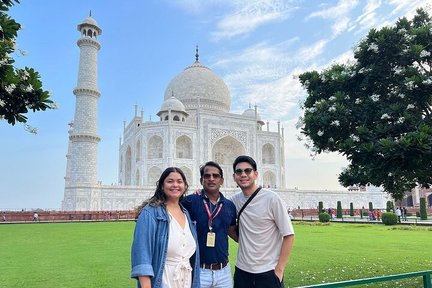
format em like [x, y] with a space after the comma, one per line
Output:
[215, 218]
[399, 214]
[35, 217]
[158, 260]
[404, 213]
[4, 217]
[266, 234]
[378, 214]
[290, 214]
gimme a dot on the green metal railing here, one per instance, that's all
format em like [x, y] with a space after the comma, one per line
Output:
[425, 274]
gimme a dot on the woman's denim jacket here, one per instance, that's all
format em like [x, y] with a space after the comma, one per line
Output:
[150, 245]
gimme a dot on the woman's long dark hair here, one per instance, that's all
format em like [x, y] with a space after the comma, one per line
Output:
[159, 197]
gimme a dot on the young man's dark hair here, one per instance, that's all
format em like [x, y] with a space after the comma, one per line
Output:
[247, 159]
[213, 164]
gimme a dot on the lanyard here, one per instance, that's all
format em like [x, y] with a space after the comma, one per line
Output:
[213, 215]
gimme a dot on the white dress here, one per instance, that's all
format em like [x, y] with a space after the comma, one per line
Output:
[181, 246]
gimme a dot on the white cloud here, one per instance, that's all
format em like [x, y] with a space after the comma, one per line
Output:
[407, 8]
[199, 6]
[339, 14]
[340, 10]
[248, 15]
[340, 26]
[312, 51]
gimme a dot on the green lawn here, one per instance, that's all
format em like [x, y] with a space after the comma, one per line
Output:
[97, 254]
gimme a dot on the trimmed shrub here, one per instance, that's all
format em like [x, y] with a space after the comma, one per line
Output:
[423, 212]
[351, 209]
[339, 210]
[389, 218]
[320, 207]
[324, 217]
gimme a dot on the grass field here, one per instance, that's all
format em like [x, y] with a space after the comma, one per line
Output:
[98, 254]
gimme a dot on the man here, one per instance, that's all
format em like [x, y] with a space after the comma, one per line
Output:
[215, 218]
[266, 234]
[399, 214]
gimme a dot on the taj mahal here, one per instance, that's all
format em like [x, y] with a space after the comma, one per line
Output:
[195, 125]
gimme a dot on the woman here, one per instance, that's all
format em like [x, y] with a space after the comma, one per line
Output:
[164, 248]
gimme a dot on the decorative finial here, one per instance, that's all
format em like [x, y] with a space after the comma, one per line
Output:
[90, 14]
[196, 54]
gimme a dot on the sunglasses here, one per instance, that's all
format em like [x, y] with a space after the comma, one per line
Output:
[215, 176]
[247, 171]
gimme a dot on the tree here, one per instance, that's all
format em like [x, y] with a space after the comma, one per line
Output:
[339, 209]
[320, 207]
[376, 110]
[20, 89]
[423, 210]
[389, 206]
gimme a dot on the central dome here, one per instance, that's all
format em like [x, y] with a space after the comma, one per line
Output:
[198, 84]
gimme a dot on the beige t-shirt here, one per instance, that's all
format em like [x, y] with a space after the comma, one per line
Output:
[263, 224]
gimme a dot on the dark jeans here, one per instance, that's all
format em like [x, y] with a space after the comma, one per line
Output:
[243, 279]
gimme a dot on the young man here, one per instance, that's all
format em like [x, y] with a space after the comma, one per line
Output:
[215, 218]
[266, 234]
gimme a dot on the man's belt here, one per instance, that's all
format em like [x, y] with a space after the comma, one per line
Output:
[214, 266]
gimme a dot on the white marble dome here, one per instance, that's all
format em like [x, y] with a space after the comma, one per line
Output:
[89, 20]
[250, 113]
[199, 82]
[172, 104]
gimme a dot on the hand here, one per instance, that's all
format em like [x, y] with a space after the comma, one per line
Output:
[279, 273]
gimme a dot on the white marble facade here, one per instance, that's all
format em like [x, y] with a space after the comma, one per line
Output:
[195, 125]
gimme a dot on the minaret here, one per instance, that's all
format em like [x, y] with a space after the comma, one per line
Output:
[83, 139]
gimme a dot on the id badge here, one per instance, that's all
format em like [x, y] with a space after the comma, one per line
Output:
[211, 239]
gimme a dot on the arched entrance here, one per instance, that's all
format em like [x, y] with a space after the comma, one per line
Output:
[224, 152]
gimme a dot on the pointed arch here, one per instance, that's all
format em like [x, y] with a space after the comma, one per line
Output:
[155, 148]
[269, 179]
[188, 174]
[128, 167]
[184, 147]
[138, 151]
[409, 201]
[137, 177]
[153, 175]
[224, 151]
[268, 154]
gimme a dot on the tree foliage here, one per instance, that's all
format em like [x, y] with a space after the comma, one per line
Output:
[20, 89]
[376, 110]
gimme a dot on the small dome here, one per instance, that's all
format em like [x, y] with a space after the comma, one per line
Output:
[90, 20]
[250, 113]
[172, 104]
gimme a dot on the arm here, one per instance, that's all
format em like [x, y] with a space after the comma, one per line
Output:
[232, 233]
[285, 252]
[145, 281]
[143, 246]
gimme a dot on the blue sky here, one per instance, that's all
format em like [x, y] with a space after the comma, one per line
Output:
[257, 47]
